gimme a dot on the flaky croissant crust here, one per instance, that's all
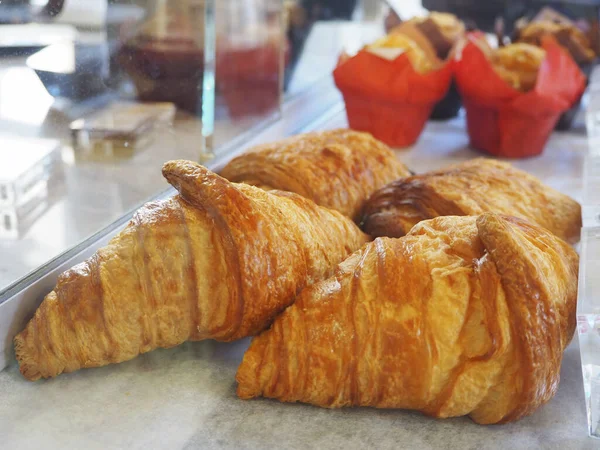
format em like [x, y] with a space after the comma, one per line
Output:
[338, 169]
[217, 261]
[463, 316]
[470, 188]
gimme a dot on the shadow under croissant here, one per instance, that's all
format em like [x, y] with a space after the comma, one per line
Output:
[355, 411]
[408, 417]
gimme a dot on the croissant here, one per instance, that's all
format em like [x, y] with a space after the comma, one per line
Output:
[218, 261]
[470, 188]
[337, 169]
[463, 316]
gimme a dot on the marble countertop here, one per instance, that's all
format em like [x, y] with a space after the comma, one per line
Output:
[184, 398]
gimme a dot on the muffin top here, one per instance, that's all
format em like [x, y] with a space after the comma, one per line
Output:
[518, 64]
[568, 35]
[450, 25]
[416, 55]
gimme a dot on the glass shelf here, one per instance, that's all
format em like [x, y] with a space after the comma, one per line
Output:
[588, 306]
[228, 66]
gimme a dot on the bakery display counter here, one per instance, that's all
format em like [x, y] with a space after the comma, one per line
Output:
[103, 245]
[185, 397]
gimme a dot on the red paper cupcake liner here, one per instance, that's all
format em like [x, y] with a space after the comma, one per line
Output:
[389, 99]
[397, 124]
[505, 122]
[507, 133]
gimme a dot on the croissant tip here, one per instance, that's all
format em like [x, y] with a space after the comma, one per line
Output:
[26, 367]
[177, 165]
[244, 393]
[247, 386]
[180, 172]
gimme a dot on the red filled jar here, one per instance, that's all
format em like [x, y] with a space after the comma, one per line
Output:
[249, 56]
[165, 55]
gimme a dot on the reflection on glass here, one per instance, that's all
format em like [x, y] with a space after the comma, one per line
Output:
[121, 127]
[22, 97]
[72, 70]
[220, 70]
[318, 31]
[588, 325]
[248, 57]
[28, 172]
[164, 56]
[248, 65]
[588, 306]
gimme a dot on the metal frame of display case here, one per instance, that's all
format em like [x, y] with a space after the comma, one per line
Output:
[588, 305]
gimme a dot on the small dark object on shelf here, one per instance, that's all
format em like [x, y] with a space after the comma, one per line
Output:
[329, 9]
[449, 106]
[167, 69]
[566, 119]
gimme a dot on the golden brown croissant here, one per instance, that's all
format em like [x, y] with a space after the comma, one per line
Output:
[218, 261]
[463, 316]
[338, 169]
[470, 188]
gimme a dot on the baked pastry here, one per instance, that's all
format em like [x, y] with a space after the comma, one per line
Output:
[338, 169]
[568, 35]
[518, 64]
[217, 261]
[470, 188]
[443, 30]
[392, 20]
[463, 316]
[437, 34]
[514, 97]
[418, 57]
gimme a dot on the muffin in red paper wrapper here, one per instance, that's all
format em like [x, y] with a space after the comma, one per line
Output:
[390, 88]
[441, 32]
[568, 34]
[515, 95]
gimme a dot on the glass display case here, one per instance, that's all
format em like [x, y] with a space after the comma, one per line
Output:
[96, 95]
[588, 308]
[132, 84]
[110, 97]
